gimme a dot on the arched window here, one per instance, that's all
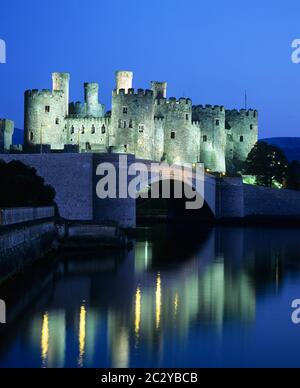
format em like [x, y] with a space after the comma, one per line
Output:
[57, 121]
[103, 130]
[31, 136]
[251, 126]
[120, 123]
[217, 123]
[93, 129]
[72, 130]
[130, 123]
[125, 125]
[83, 129]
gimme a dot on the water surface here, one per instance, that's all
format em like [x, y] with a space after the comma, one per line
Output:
[181, 298]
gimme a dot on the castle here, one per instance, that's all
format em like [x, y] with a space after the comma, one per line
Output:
[143, 122]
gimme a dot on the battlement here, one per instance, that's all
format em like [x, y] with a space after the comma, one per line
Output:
[159, 119]
[35, 93]
[133, 92]
[251, 113]
[209, 108]
[180, 101]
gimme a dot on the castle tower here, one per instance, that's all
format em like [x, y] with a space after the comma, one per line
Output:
[61, 82]
[91, 98]
[213, 136]
[124, 80]
[6, 134]
[242, 127]
[159, 89]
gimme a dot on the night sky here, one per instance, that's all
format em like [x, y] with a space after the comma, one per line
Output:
[210, 51]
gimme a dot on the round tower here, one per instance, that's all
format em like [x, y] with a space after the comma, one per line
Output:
[44, 118]
[213, 136]
[244, 128]
[61, 82]
[91, 97]
[124, 80]
[159, 89]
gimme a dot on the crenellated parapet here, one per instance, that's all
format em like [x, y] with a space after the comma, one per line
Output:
[133, 92]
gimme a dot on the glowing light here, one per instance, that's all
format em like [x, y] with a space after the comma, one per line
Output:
[176, 304]
[45, 338]
[82, 335]
[138, 309]
[158, 301]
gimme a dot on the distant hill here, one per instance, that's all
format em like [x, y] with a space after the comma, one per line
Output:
[18, 137]
[290, 145]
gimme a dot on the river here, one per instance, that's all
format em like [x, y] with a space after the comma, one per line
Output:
[182, 297]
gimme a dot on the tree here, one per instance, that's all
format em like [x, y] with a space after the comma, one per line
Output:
[268, 163]
[21, 186]
[293, 176]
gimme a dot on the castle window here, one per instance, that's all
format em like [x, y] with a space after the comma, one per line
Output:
[204, 139]
[72, 130]
[120, 123]
[82, 130]
[125, 110]
[57, 121]
[173, 135]
[217, 122]
[93, 129]
[103, 130]
[125, 124]
[131, 124]
[187, 117]
[47, 108]
[251, 126]
[31, 136]
[141, 128]
[125, 148]
[241, 139]
[88, 147]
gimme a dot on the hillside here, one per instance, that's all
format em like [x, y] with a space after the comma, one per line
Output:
[290, 145]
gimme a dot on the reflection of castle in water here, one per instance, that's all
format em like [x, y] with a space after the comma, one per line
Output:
[135, 304]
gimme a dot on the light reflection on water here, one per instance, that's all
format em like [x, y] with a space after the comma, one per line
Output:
[219, 297]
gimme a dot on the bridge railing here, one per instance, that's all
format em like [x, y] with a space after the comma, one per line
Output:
[12, 216]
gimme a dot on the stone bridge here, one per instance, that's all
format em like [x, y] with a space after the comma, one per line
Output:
[75, 179]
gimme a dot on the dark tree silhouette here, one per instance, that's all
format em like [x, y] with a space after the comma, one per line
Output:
[268, 163]
[293, 176]
[21, 186]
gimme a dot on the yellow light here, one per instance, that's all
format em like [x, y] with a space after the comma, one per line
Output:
[138, 308]
[176, 304]
[45, 338]
[82, 334]
[158, 301]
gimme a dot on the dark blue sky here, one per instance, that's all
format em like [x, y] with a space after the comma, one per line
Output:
[210, 51]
